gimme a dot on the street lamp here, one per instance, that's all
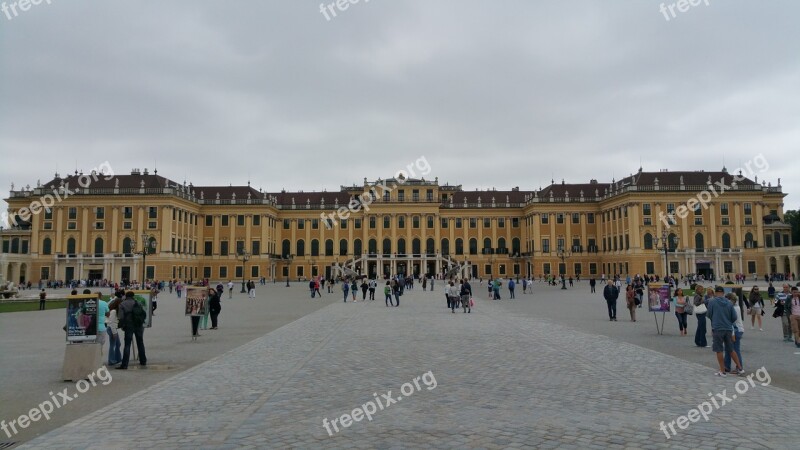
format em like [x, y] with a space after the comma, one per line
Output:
[563, 254]
[148, 247]
[244, 256]
[663, 244]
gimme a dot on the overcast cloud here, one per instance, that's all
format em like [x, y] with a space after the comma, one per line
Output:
[492, 93]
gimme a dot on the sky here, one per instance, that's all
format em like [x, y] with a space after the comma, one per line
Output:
[490, 94]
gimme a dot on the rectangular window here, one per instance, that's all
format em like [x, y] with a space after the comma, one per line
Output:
[99, 225]
[415, 222]
[223, 248]
[72, 213]
[429, 195]
[560, 243]
[152, 212]
[545, 245]
[225, 220]
[546, 268]
[502, 269]
[748, 220]
[238, 272]
[430, 222]
[577, 268]
[255, 248]
[415, 195]
[206, 272]
[501, 222]
[48, 225]
[152, 225]
[751, 267]
[576, 218]
[127, 212]
[698, 220]
[342, 224]
[648, 221]
[650, 267]
[459, 222]
[697, 210]
[726, 220]
[223, 272]
[387, 222]
[256, 220]
[357, 223]
[301, 224]
[401, 221]
[487, 222]
[728, 266]
[239, 247]
[473, 222]
[748, 209]
[287, 224]
[445, 222]
[592, 268]
[300, 271]
[589, 217]
[560, 218]
[674, 267]
[386, 196]
[240, 220]
[670, 208]
[209, 221]
[254, 271]
[372, 222]
[515, 222]
[401, 195]
[127, 225]
[545, 218]
[487, 269]
[723, 209]
[315, 224]
[646, 211]
[100, 212]
[208, 248]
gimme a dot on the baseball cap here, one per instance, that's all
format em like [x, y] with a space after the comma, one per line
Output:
[719, 289]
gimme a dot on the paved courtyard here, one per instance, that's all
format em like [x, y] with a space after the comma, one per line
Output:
[503, 379]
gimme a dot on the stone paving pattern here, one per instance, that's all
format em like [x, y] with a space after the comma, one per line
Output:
[502, 382]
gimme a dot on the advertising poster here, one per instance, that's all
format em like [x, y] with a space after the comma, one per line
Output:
[196, 301]
[144, 299]
[81, 318]
[658, 297]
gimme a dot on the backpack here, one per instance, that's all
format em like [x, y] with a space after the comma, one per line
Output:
[138, 315]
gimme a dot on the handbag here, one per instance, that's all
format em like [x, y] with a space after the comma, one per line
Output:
[689, 308]
[471, 302]
[702, 309]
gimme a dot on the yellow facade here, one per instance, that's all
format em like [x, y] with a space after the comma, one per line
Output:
[404, 226]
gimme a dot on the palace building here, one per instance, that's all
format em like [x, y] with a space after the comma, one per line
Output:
[141, 224]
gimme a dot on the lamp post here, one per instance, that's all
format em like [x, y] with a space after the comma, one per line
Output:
[244, 257]
[288, 266]
[563, 255]
[663, 244]
[148, 246]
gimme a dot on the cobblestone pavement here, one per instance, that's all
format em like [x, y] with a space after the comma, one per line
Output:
[501, 382]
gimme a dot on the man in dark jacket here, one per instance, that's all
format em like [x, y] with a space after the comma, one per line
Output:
[611, 293]
[131, 329]
[214, 306]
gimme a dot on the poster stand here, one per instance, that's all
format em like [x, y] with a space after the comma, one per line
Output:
[660, 329]
[196, 306]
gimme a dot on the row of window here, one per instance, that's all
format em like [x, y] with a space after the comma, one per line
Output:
[724, 209]
[299, 248]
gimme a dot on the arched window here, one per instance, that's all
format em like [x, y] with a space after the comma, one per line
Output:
[699, 242]
[314, 247]
[373, 246]
[515, 246]
[430, 246]
[401, 246]
[329, 247]
[301, 248]
[387, 246]
[748, 240]
[71, 246]
[473, 246]
[445, 247]
[726, 241]
[416, 246]
[126, 246]
[357, 250]
[47, 246]
[98, 246]
[342, 247]
[459, 246]
[648, 241]
[487, 242]
[672, 242]
[501, 245]
[286, 249]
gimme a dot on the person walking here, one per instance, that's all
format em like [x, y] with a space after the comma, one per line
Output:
[214, 306]
[466, 294]
[131, 321]
[782, 310]
[204, 319]
[425, 283]
[611, 293]
[396, 291]
[317, 286]
[354, 290]
[511, 286]
[312, 288]
[345, 289]
[630, 301]
[230, 288]
[251, 288]
[592, 283]
[723, 316]
[700, 311]
[756, 308]
[794, 314]
[387, 292]
[364, 289]
[452, 294]
[373, 284]
[680, 310]
[738, 330]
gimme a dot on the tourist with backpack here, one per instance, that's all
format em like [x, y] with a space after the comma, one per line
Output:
[372, 286]
[131, 320]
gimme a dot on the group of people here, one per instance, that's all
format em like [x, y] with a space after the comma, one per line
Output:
[459, 294]
[726, 312]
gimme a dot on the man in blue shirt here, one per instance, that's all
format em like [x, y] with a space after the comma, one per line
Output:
[723, 316]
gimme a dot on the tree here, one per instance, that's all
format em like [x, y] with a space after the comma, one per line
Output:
[792, 217]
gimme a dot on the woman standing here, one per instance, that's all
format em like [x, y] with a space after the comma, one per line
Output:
[214, 306]
[738, 331]
[700, 311]
[630, 299]
[680, 310]
[112, 328]
[756, 308]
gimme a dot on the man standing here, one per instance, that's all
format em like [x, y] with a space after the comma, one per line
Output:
[592, 283]
[251, 288]
[372, 285]
[723, 316]
[511, 286]
[782, 304]
[131, 321]
[42, 299]
[611, 293]
[793, 311]
[230, 288]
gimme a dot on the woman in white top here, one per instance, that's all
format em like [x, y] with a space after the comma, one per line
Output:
[112, 328]
[453, 293]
